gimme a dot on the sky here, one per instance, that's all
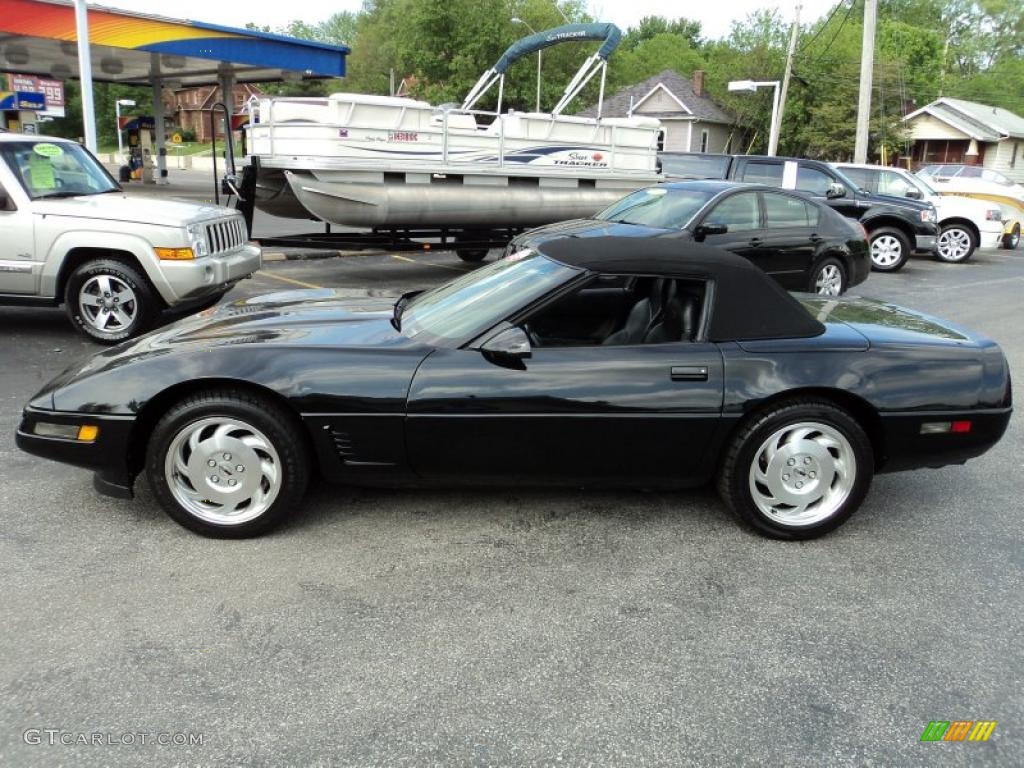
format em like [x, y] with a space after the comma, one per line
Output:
[715, 17]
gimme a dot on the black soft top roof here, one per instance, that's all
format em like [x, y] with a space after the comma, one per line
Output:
[748, 304]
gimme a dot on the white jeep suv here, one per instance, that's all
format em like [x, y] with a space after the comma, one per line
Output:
[71, 236]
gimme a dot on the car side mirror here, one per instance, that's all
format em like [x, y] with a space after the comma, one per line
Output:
[703, 230]
[835, 191]
[914, 193]
[6, 203]
[511, 345]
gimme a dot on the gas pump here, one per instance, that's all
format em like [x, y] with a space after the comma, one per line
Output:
[138, 133]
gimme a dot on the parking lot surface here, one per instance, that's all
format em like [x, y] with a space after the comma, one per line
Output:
[514, 626]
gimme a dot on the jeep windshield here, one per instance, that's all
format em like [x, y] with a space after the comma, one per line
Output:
[56, 169]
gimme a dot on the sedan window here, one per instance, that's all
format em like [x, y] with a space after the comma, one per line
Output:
[785, 211]
[663, 207]
[739, 213]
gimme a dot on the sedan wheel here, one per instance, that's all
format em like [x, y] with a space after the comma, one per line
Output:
[829, 279]
[228, 463]
[955, 244]
[797, 470]
[890, 249]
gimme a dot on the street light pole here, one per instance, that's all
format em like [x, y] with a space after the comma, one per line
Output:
[867, 61]
[753, 85]
[540, 54]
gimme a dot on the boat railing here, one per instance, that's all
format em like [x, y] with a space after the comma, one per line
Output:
[443, 131]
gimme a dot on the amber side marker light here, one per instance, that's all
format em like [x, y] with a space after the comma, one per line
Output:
[86, 433]
[945, 427]
[174, 254]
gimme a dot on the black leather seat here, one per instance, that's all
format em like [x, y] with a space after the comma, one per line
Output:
[678, 321]
[645, 314]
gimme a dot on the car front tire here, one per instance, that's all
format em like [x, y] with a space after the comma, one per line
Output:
[798, 470]
[109, 301]
[228, 464]
[1012, 239]
[955, 244]
[889, 249]
[828, 278]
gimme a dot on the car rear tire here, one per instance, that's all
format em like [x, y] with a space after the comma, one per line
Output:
[228, 464]
[828, 278]
[889, 249]
[1012, 239]
[955, 244]
[109, 301]
[798, 470]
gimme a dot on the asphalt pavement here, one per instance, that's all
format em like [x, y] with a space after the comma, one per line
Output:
[511, 626]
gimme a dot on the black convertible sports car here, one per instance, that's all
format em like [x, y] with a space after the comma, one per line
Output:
[598, 361]
[802, 243]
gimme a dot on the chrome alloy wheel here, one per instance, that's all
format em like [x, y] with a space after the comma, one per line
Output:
[107, 303]
[954, 244]
[802, 474]
[223, 470]
[830, 281]
[886, 251]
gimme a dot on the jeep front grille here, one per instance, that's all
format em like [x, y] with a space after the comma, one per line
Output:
[225, 235]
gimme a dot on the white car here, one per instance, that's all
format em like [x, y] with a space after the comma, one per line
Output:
[964, 224]
[71, 236]
[982, 184]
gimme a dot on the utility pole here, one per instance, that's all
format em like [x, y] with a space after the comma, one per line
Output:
[777, 128]
[867, 60]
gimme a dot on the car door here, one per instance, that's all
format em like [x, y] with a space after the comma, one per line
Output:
[790, 237]
[589, 413]
[19, 272]
[740, 213]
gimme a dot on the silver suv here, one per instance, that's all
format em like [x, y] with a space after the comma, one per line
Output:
[71, 236]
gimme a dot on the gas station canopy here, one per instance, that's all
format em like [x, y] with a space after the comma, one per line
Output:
[38, 37]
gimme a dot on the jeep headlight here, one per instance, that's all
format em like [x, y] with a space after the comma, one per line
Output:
[197, 238]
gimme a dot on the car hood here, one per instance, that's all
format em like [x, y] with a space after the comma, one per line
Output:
[590, 228]
[320, 318]
[882, 323]
[117, 207]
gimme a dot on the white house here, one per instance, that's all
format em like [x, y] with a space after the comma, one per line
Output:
[958, 131]
[692, 121]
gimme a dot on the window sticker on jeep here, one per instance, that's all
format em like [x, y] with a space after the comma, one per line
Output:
[40, 172]
[47, 150]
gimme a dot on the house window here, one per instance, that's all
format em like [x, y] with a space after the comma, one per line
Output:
[661, 140]
[703, 141]
[1013, 157]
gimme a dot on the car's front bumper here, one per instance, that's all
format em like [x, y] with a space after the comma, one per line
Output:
[195, 278]
[107, 455]
[992, 239]
[924, 243]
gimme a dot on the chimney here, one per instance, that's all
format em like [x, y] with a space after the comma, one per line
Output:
[698, 82]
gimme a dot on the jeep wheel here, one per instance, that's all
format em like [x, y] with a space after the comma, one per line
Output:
[109, 301]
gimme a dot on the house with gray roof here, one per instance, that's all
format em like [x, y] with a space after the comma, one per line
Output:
[958, 131]
[691, 120]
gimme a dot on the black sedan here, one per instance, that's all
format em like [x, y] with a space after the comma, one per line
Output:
[606, 361]
[802, 243]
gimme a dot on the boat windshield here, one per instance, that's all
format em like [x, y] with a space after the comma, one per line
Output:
[471, 304]
[56, 169]
[664, 207]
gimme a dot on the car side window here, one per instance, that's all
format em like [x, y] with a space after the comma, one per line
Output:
[785, 211]
[647, 310]
[893, 184]
[863, 178]
[763, 173]
[740, 213]
[813, 181]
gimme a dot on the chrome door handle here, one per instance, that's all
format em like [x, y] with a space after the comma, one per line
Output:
[689, 373]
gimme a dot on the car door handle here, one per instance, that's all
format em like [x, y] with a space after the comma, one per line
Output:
[689, 373]
[816, 238]
[756, 241]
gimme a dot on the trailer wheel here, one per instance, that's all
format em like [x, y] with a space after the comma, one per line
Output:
[471, 255]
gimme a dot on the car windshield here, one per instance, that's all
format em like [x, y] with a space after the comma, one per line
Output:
[663, 207]
[920, 182]
[56, 169]
[481, 299]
